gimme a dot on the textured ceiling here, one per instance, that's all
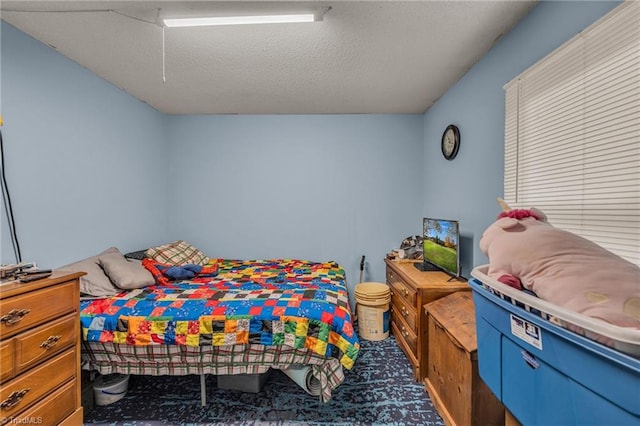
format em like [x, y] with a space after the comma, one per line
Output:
[363, 57]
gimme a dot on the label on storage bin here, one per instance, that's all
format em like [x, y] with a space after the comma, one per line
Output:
[527, 331]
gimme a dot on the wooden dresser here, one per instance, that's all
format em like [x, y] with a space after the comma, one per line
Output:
[411, 289]
[40, 351]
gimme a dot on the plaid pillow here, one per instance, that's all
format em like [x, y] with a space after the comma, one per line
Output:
[177, 253]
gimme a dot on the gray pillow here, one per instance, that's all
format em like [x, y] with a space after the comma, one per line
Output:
[123, 273]
[95, 282]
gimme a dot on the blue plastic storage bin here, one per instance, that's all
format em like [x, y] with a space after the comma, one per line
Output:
[545, 374]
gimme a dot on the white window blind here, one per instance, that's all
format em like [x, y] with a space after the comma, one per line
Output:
[572, 134]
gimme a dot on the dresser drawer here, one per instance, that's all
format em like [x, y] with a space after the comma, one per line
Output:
[6, 360]
[401, 289]
[45, 341]
[400, 308]
[391, 276]
[53, 409]
[33, 385]
[404, 346]
[18, 313]
[405, 334]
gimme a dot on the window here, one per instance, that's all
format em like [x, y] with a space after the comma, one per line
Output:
[572, 134]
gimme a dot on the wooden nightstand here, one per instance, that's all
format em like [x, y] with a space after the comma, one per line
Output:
[453, 380]
[410, 290]
[40, 350]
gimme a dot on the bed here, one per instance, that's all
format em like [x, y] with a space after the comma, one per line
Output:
[247, 317]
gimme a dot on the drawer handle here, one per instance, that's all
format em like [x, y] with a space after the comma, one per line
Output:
[50, 342]
[14, 398]
[530, 359]
[404, 311]
[405, 291]
[14, 316]
[404, 332]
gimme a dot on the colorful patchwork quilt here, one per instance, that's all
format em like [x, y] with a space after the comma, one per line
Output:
[284, 302]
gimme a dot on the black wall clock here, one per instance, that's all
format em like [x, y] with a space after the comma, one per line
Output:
[450, 142]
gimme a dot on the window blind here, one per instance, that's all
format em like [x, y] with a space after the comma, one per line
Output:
[572, 134]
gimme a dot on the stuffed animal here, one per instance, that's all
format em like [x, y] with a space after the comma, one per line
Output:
[526, 251]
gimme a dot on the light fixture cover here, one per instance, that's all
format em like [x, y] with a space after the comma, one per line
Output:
[239, 20]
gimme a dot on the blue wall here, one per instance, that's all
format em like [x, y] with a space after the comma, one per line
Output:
[80, 157]
[467, 187]
[321, 187]
[109, 170]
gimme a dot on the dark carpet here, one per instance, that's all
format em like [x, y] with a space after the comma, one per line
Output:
[379, 390]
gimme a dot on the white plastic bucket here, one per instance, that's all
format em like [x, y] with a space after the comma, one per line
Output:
[110, 388]
[372, 306]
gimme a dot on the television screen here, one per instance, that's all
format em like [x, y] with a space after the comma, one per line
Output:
[440, 248]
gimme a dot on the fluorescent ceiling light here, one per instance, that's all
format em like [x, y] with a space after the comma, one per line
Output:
[238, 20]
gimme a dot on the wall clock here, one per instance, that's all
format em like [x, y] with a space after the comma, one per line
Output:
[450, 142]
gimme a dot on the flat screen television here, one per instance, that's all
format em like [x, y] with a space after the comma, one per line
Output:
[440, 246]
